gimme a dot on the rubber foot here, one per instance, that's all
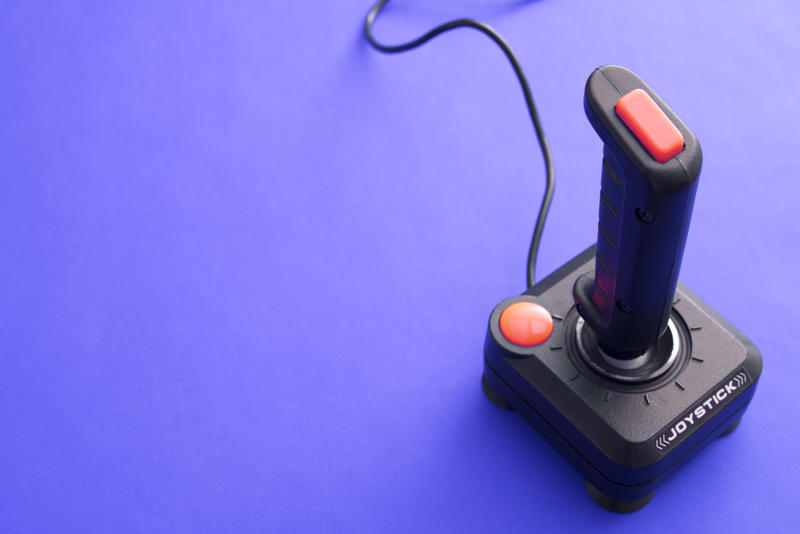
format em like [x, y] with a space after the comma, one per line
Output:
[493, 396]
[613, 505]
[731, 428]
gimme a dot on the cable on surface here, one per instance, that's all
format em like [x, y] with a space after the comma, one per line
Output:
[526, 90]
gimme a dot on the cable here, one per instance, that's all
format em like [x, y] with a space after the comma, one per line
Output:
[526, 90]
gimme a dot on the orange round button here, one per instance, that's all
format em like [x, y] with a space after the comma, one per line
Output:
[526, 324]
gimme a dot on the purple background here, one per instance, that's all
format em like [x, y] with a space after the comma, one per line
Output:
[247, 262]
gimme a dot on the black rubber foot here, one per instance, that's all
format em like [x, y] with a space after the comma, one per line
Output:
[731, 428]
[493, 396]
[612, 505]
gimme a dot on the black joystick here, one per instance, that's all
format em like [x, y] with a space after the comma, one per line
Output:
[651, 162]
[621, 368]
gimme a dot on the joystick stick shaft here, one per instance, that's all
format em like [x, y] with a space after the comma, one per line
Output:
[651, 163]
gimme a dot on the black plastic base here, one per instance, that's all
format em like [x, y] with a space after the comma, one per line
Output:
[625, 507]
[625, 438]
[613, 505]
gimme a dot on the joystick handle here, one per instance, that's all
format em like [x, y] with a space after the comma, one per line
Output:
[651, 162]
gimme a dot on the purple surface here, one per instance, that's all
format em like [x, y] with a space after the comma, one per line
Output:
[248, 262]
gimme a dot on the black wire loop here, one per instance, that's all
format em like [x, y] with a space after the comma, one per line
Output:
[487, 30]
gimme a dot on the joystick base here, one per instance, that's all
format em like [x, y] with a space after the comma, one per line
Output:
[625, 438]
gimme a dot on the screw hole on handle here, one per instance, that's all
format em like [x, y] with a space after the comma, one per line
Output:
[624, 307]
[644, 216]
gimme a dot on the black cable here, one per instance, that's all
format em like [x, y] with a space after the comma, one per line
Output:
[526, 90]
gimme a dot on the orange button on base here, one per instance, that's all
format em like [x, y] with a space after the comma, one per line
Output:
[526, 324]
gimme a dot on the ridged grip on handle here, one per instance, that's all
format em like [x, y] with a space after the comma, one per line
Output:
[645, 211]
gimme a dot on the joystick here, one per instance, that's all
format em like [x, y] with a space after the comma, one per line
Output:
[624, 370]
[620, 367]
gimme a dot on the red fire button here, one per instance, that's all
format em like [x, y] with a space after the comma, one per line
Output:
[650, 125]
[526, 324]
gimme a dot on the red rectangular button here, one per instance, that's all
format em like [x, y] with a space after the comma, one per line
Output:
[650, 125]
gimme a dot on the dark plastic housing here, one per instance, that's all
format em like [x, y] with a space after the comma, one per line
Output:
[625, 440]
